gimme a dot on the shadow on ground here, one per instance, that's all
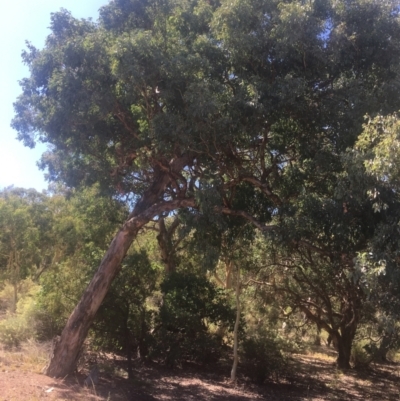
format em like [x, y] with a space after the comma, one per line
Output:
[311, 377]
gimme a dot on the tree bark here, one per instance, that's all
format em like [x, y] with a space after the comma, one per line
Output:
[227, 285]
[67, 348]
[344, 344]
[15, 297]
[344, 352]
[167, 250]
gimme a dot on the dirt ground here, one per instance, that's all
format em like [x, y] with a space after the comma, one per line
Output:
[311, 377]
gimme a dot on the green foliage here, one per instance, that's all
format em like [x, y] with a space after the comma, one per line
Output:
[380, 143]
[361, 355]
[191, 304]
[14, 330]
[214, 78]
[25, 227]
[262, 357]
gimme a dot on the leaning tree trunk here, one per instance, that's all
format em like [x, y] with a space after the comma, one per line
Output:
[67, 348]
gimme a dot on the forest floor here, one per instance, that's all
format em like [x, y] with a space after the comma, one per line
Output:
[312, 377]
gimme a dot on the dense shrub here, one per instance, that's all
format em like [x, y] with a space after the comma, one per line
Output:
[123, 322]
[361, 355]
[262, 358]
[13, 331]
[190, 305]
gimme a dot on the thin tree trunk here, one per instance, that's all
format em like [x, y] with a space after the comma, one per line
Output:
[13, 266]
[317, 340]
[15, 298]
[236, 330]
[228, 274]
[167, 249]
[227, 285]
[67, 348]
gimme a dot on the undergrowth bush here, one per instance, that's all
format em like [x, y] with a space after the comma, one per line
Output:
[13, 331]
[191, 304]
[262, 357]
[20, 326]
[360, 355]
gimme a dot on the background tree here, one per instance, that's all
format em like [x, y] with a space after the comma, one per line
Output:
[377, 149]
[25, 236]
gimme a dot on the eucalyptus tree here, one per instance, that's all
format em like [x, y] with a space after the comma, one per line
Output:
[183, 104]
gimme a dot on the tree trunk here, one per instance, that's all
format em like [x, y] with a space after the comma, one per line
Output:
[13, 266]
[228, 274]
[15, 297]
[317, 340]
[66, 349]
[344, 344]
[236, 330]
[227, 285]
[344, 353]
[167, 250]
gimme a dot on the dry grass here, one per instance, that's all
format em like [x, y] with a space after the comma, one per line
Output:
[321, 356]
[21, 377]
[31, 356]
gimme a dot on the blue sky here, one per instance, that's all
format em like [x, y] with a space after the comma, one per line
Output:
[22, 20]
